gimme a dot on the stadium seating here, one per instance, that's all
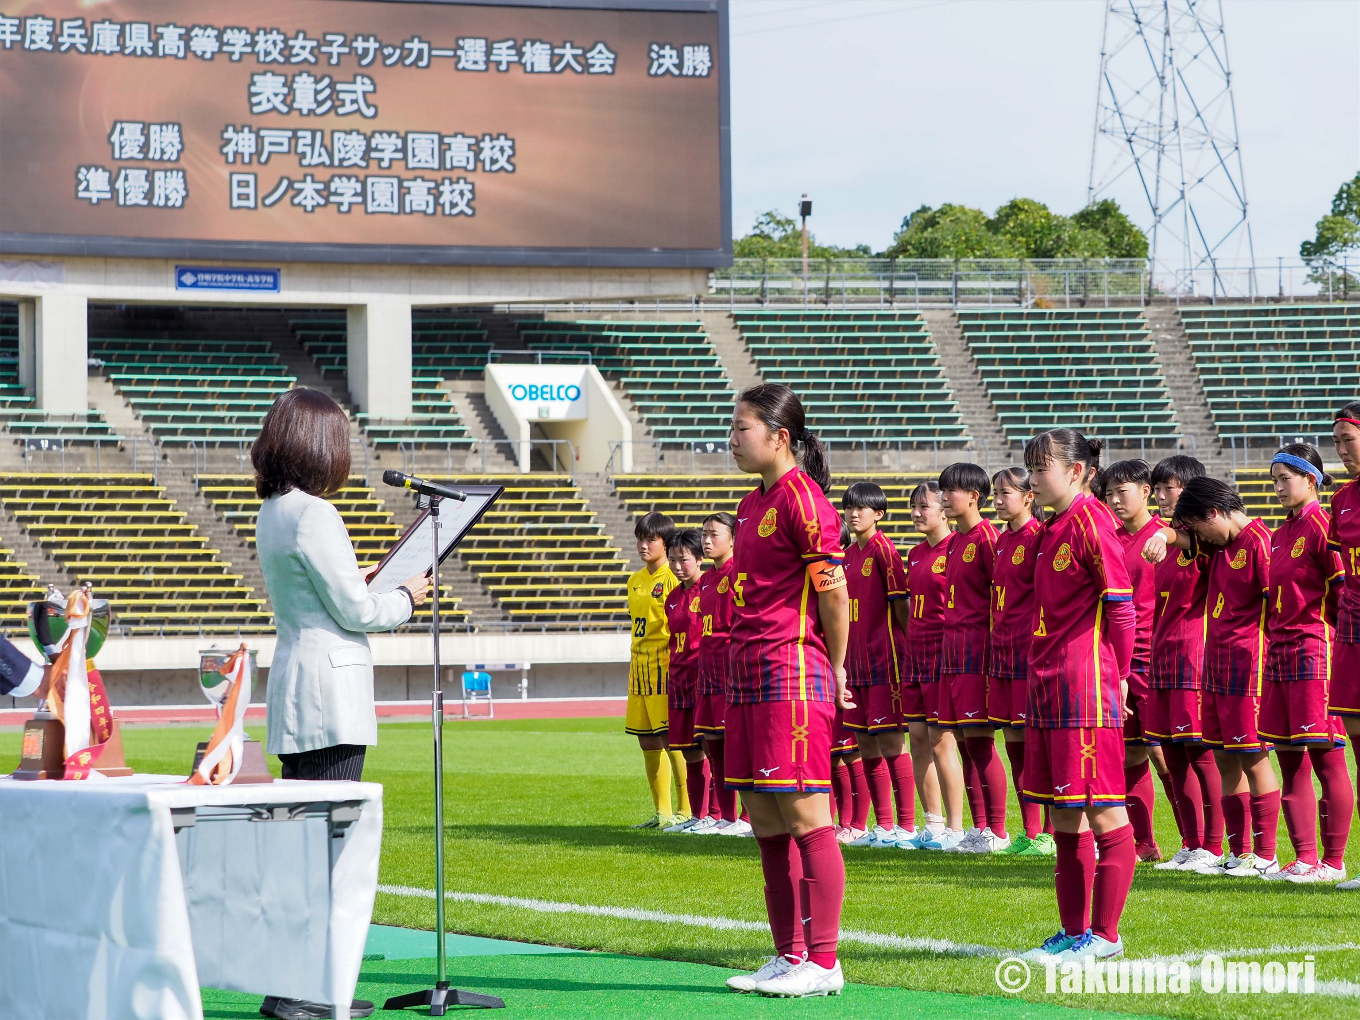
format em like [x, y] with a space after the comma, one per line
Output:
[668, 369]
[434, 420]
[371, 528]
[1093, 369]
[1275, 371]
[688, 499]
[542, 554]
[17, 586]
[18, 416]
[124, 536]
[187, 389]
[872, 375]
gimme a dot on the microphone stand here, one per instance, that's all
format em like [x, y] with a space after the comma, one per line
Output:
[441, 996]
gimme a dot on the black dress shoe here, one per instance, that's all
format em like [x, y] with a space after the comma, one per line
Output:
[301, 1009]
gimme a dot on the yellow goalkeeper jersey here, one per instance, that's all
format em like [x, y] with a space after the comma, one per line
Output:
[649, 663]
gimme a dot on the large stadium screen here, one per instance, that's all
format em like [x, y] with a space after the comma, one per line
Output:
[366, 130]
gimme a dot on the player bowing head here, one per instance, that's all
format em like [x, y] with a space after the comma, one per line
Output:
[1344, 697]
[877, 584]
[790, 624]
[685, 553]
[649, 664]
[1305, 576]
[1079, 660]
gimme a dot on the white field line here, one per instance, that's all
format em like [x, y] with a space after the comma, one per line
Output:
[941, 947]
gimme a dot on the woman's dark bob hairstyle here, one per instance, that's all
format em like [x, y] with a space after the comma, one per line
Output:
[303, 444]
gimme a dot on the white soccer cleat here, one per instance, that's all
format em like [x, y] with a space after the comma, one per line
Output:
[847, 835]
[703, 825]
[807, 980]
[1285, 874]
[1317, 873]
[993, 842]
[878, 838]
[947, 840]
[1092, 945]
[682, 822]
[1351, 886]
[1203, 862]
[774, 967]
[907, 838]
[1249, 865]
[972, 843]
[1177, 862]
[737, 828]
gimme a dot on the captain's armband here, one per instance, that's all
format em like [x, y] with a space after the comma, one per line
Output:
[826, 576]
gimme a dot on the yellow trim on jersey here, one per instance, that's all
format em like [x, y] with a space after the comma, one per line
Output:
[649, 651]
[1100, 613]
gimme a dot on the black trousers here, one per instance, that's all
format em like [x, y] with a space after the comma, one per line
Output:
[342, 762]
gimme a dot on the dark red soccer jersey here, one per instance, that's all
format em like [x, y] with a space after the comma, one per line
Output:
[1013, 601]
[1141, 573]
[685, 624]
[715, 612]
[876, 578]
[925, 587]
[1235, 625]
[1181, 582]
[1304, 575]
[1344, 537]
[968, 600]
[1073, 675]
[777, 651]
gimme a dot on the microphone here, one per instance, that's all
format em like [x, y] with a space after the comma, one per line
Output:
[420, 485]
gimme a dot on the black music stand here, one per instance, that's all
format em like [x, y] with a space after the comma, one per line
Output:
[441, 996]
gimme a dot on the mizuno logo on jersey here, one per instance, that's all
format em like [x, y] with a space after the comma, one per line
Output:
[880, 718]
[1182, 729]
[1306, 726]
[1061, 788]
[766, 772]
[970, 714]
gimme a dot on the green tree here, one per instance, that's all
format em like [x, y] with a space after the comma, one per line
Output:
[949, 232]
[1339, 231]
[1123, 240]
[776, 236]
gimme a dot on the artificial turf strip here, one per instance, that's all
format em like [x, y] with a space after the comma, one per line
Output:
[606, 986]
[540, 809]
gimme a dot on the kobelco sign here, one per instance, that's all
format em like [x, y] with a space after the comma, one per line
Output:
[542, 392]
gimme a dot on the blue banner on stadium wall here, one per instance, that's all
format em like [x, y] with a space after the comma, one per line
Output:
[226, 278]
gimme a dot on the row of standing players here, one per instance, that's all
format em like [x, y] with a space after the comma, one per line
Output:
[1096, 652]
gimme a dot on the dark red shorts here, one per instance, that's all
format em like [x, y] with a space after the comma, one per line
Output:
[878, 708]
[1073, 768]
[1006, 701]
[779, 746]
[1343, 696]
[709, 712]
[842, 740]
[1295, 712]
[1172, 717]
[1134, 730]
[1230, 722]
[963, 700]
[680, 728]
[930, 701]
[913, 702]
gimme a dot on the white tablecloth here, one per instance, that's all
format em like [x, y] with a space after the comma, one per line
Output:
[107, 912]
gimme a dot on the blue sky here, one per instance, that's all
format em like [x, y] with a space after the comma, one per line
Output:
[875, 107]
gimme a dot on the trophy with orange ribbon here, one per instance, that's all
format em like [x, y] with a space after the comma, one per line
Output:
[230, 756]
[73, 734]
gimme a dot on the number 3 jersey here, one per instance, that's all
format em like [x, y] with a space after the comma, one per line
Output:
[788, 545]
[649, 661]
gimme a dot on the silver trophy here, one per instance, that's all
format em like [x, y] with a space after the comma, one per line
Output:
[213, 680]
[47, 623]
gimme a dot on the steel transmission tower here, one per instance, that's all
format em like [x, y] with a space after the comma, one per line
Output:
[1166, 138]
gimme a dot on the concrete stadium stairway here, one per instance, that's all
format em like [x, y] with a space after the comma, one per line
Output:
[732, 350]
[617, 521]
[975, 406]
[1187, 392]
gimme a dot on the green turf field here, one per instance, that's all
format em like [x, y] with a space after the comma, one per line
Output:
[537, 816]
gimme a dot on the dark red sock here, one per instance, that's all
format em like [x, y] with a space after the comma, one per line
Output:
[843, 797]
[1114, 878]
[1299, 803]
[1173, 800]
[1211, 787]
[781, 861]
[972, 785]
[1334, 809]
[1185, 785]
[1139, 800]
[726, 800]
[1236, 811]
[859, 786]
[821, 893]
[880, 791]
[1265, 823]
[991, 780]
[1029, 811]
[904, 788]
[696, 782]
[1074, 875]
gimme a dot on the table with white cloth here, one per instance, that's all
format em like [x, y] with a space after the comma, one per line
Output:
[121, 897]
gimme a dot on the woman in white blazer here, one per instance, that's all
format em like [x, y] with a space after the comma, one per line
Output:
[320, 694]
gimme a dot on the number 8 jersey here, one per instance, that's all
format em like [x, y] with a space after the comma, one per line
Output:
[788, 547]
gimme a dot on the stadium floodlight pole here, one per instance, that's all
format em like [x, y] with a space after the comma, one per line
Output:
[805, 210]
[441, 996]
